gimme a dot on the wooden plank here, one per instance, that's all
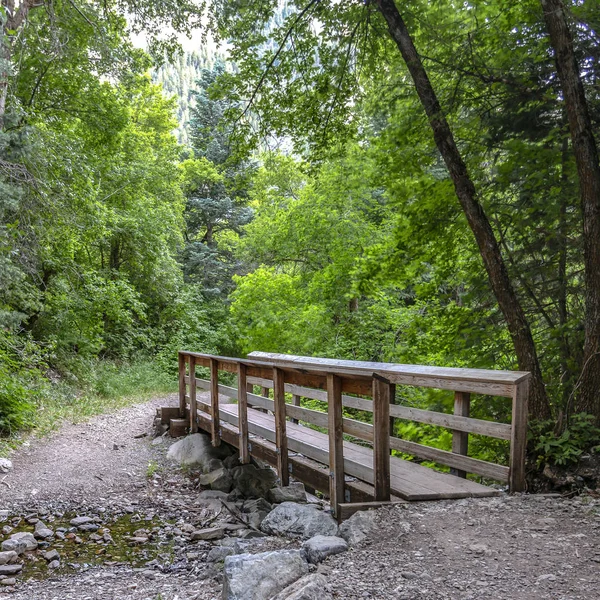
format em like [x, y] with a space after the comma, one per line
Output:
[181, 361]
[336, 443]
[281, 440]
[518, 446]
[295, 402]
[460, 439]
[243, 414]
[459, 423]
[193, 407]
[381, 438]
[409, 481]
[466, 463]
[214, 401]
[169, 412]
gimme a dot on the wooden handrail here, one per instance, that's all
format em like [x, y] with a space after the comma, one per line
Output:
[326, 379]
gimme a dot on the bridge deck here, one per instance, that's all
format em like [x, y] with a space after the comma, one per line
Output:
[408, 480]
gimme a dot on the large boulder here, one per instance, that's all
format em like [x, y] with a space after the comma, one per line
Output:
[252, 482]
[294, 492]
[19, 543]
[309, 587]
[261, 576]
[196, 451]
[318, 548]
[299, 520]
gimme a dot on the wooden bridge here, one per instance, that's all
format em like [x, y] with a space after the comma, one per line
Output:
[358, 471]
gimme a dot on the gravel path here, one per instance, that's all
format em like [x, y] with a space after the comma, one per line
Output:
[521, 547]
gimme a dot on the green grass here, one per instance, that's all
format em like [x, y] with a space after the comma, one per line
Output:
[92, 388]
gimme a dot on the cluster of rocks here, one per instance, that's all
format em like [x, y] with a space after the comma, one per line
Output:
[251, 496]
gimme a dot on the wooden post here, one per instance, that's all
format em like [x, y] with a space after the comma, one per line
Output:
[214, 402]
[381, 437]
[336, 443]
[460, 439]
[392, 401]
[243, 413]
[181, 360]
[518, 440]
[264, 391]
[295, 402]
[193, 405]
[280, 426]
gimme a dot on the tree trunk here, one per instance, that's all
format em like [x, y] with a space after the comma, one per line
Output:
[518, 327]
[588, 170]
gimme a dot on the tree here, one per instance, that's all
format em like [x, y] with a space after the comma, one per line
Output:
[588, 170]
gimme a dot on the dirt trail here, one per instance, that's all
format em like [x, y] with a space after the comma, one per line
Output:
[522, 547]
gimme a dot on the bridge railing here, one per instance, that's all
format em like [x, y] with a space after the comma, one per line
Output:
[332, 381]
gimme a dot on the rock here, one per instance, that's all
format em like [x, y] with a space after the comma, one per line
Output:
[41, 531]
[8, 581]
[301, 520]
[23, 539]
[356, 529]
[17, 546]
[232, 461]
[480, 549]
[88, 527]
[309, 587]
[261, 576]
[9, 556]
[77, 521]
[212, 465]
[256, 511]
[252, 482]
[292, 493]
[318, 548]
[11, 569]
[5, 465]
[52, 555]
[6, 530]
[212, 533]
[219, 480]
[222, 551]
[196, 450]
[55, 564]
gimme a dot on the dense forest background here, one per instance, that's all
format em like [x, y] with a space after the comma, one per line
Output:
[294, 192]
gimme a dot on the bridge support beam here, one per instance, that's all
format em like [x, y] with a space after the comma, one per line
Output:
[336, 443]
[382, 395]
[280, 426]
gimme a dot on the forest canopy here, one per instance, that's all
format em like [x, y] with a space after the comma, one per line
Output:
[413, 183]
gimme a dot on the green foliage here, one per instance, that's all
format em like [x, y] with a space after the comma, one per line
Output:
[581, 435]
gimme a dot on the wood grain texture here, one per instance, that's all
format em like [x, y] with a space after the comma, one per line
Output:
[381, 438]
[336, 443]
[242, 399]
[460, 439]
[192, 388]
[281, 440]
[518, 446]
[214, 402]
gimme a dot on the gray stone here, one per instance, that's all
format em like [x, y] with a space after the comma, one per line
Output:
[309, 587]
[256, 511]
[222, 551]
[24, 541]
[294, 492]
[5, 465]
[219, 480]
[77, 521]
[9, 556]
[212, 533]
[318, 548]
[55, 564]
[11, 569]
[212, 465]
[261, 576]
[52, 555]
[303, 520]
[88, 527]
[8, 581]
[252, 482]
[41, 531]
[232, 461]
[356, 529]
[196, 450]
